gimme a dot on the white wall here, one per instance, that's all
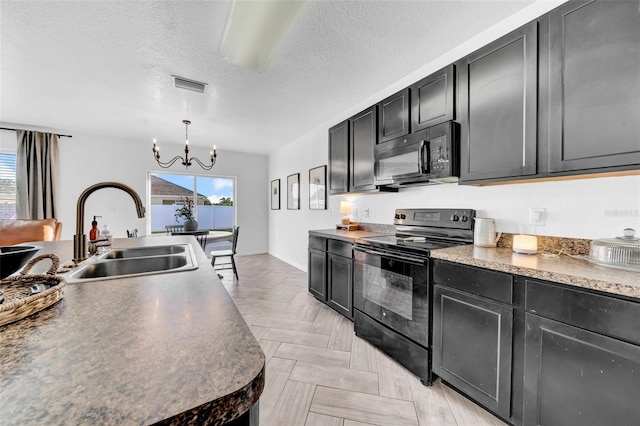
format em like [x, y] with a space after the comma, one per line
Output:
[86, 160]
[589, 208]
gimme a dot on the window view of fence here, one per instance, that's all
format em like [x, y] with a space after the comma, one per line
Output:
[209, 217]
[212, 197]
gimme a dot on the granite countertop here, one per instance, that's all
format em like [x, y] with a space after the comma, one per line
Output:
[169, 348]
[563, 269]
[342, 235]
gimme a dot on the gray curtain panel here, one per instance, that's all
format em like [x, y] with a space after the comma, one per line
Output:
[36, 175]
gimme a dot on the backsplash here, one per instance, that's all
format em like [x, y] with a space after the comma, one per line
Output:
[377, 227]
[546, 244]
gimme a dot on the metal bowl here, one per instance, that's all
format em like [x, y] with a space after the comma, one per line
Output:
[12, 258]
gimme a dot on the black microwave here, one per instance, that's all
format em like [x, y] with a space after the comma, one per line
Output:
[428, 156]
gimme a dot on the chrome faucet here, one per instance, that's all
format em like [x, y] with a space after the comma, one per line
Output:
[80, 239]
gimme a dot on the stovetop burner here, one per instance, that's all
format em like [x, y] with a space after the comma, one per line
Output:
[423, 230]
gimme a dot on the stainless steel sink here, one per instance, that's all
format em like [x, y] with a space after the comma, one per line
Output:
[145, 251]
[136, 261]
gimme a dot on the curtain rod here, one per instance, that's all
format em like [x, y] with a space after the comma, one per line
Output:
[15, 130]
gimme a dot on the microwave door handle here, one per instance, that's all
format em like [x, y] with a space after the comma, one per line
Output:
[423, 157]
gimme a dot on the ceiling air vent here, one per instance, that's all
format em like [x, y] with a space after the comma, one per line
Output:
[185, 83]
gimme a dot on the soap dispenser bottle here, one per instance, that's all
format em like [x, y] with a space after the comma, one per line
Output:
[106, 235]
[94, 233]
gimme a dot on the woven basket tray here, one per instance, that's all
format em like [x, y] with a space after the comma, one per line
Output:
[19, 303]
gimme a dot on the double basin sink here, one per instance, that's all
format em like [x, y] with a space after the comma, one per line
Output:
[136, 261]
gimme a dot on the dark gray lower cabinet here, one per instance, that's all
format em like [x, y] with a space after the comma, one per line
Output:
[318, 274]
[317, 267]
[340, 284]
[536, 352]
[582, 357]
[472, 346]
[577, 377]
[330, 276]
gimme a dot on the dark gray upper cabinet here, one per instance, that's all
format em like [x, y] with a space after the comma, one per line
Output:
[594, 85]
[497, 88]
[432, 99]
[363, 133]
[339, 158]
[394, 116]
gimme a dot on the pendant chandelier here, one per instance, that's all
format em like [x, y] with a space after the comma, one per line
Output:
[186, 160]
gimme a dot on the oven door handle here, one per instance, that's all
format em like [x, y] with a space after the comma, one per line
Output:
[402, 258]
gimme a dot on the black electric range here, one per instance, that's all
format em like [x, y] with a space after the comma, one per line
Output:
[392, 293]
[423, 230]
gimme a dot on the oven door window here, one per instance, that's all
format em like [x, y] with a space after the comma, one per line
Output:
[388, 286]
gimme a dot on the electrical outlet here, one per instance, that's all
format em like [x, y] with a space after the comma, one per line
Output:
[537, 216]
[365, 213]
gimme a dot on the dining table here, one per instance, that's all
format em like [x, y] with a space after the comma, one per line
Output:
[205, 236]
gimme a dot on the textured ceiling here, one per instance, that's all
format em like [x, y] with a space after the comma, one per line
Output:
[104, 68]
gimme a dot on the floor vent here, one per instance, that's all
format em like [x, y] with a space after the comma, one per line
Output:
[185, 83]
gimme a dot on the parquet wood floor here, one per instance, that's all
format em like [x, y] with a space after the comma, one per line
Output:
[319, 373]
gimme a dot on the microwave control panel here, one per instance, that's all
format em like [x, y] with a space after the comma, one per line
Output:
[439, 157]
[443, 151]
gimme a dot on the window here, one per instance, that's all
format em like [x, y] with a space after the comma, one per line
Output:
[7, 185]
[213, 200]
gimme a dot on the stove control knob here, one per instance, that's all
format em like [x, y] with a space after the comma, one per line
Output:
[402, 216]
[455, 218]
[464, 218]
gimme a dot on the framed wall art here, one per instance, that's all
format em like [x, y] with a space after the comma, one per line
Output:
[275, 194]
[293, 191]
[317, 188]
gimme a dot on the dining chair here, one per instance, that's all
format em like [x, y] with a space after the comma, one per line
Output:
[227, 253]
[173, 228]
[202, 239]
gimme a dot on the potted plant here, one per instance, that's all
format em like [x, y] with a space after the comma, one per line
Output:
[185, 210]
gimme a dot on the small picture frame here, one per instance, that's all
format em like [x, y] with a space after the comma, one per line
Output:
[318, 188]
[293, 192]
[275, 194]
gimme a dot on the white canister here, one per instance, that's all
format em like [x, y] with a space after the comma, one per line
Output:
[484, 232]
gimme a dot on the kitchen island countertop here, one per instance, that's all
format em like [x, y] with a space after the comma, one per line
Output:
[169, 348]
[563, 269]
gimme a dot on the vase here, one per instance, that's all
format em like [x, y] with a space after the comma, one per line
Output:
[190, 225]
